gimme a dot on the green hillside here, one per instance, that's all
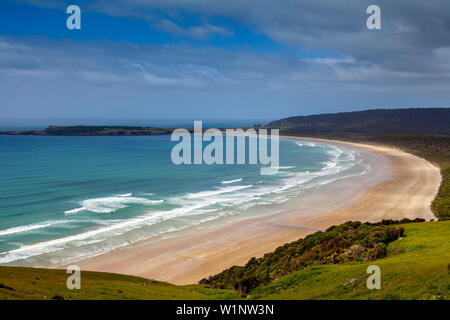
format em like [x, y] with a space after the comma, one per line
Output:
[351, 241]
[47, 284]
[416, 267]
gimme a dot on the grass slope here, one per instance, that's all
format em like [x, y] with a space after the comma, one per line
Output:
[416, 268]
[351, 241]
[45, 284]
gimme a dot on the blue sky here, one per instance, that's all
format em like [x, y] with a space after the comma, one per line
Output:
[50, 22]
[220, 59]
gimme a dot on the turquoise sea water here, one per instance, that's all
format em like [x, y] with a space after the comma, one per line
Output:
[67, 198]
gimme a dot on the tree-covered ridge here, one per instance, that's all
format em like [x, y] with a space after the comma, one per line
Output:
[383, 121]
[352, 241]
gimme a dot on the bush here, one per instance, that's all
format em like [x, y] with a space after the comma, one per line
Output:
[346, 242]
[246, 284]
[377, 252]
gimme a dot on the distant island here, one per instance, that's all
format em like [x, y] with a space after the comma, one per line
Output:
[93, 131]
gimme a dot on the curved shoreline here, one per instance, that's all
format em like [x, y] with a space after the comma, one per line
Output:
[404, 192]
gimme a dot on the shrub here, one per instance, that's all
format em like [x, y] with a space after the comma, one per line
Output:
[346, 242]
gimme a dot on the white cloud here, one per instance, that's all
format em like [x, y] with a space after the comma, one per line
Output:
[412, 30]
[114, 63]
[405, 64]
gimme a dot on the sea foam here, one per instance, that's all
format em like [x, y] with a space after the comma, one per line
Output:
[111, 204]
[231, 181]
[22, 229]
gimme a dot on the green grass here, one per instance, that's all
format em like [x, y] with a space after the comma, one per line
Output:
[43, 284]
[416, 268]
[351, 241]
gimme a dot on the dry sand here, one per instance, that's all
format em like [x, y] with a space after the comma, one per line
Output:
[408, 185]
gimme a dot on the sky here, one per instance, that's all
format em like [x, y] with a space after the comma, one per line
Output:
[227, 59]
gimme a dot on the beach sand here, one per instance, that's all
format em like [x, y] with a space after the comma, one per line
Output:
[402, 187]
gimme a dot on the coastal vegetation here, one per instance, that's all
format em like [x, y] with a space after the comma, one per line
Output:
[415, 266]
[352, 241]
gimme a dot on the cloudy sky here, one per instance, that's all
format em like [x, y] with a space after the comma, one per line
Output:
[253, 59]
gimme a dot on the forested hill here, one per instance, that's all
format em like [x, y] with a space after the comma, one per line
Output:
[410, 121]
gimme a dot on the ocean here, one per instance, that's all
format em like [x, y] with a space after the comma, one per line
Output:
[63, 199]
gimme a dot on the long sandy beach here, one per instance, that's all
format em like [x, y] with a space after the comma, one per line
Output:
[401, 186]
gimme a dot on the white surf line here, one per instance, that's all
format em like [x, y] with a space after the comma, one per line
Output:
[209, 193]
[231, 181]
[28, 251]
[22, 229]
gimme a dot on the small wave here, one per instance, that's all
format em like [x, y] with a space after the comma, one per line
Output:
[22, 229]
[88, 242]
[111, 204]
[231, 181]
[335, 164]
[307, 144]
[75, 210]
[335, 152]
[27, 251]
[215, 192]
[125, 195]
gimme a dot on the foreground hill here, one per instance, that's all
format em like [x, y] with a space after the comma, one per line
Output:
[415, 267]
[18, 283]
[351, 241]
[422, 121]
